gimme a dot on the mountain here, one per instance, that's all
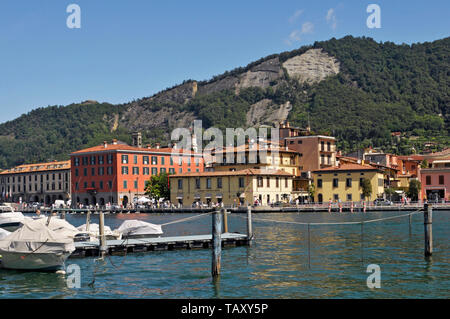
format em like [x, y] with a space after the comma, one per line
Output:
[356, 89]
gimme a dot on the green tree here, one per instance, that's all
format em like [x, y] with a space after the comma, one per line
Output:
[366, 188]
[158, 186]
[414, 189]
[390, 192]
[311, 191]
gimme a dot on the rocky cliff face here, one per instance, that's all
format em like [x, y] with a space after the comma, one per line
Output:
[312, 67]
[162, 110]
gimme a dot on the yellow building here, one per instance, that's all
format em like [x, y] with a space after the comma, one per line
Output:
[261, 155]
[231, 187]
[344, 183]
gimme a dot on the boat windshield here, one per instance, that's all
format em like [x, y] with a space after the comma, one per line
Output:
[6, 209]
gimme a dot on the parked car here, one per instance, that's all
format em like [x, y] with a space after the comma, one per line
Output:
[382, 202]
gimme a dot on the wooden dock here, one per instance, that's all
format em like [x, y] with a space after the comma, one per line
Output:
[120, 247]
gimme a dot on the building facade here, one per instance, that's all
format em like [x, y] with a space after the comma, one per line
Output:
[42, 182]
[116, 173]
[343, 183]
[435, 181]
[231, 187]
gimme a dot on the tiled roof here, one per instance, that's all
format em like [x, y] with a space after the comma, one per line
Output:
[348, 167]
[244, 172]
[39, 167]
[125, 147]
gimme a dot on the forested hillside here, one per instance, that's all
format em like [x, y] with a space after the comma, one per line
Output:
[357, 89]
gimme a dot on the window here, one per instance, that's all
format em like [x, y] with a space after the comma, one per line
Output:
[286, 184]
[162, 160]
[241, 182]
[76, 161]
[319, 183]
[110, 184]
[154, 160]
[299, 142]
[197, 162]
[171, 160]
[277, 182]
[136, 184]
[109, 158]
[146, 171]
[84, 160]
[208, 183]
[441, 179]
[180, 170]
[259, 181]
[76, 186]
[125, 170]
[171, 170]
[84, 185]
[268, 181]
[84, 172]
[349, 197]
[348, 182]
[219, 182]
[124, 159]
[360, 182]
[76, 171]
[101, 171]
[92, 160]
[197, 183]
[109, 170]
[336, 197]
[135, 170]
[93, 171]
[335, 182]
[154, 171]
[145, 160]
[93, 184]
[135, 159]
[180, 184]
[125, 184]
[100, 160]
[428, 180]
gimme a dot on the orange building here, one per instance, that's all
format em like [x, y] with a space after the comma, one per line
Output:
[116, 173]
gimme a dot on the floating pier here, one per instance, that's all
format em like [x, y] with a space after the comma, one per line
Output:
[118, 247]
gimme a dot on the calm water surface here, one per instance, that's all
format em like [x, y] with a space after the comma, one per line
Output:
[275, 266]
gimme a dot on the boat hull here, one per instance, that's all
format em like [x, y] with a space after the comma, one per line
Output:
[35, 261]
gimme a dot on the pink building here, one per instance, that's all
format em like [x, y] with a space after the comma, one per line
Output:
[436, 181]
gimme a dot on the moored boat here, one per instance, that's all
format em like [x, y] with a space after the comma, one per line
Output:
[35, 246]
[139, 229]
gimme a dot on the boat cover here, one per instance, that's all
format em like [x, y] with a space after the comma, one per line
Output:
[138, 227]
[35, 236]
[3, 233]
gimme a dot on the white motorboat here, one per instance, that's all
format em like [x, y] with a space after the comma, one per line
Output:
[35, 246]
[9, 219]
[91, 232]
[139, 229]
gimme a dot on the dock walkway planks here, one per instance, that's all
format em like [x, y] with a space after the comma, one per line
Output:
[86, 249]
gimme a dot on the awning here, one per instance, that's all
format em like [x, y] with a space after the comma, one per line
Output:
[208, 196]
[219, 196]
[197, 197]
[179, 197]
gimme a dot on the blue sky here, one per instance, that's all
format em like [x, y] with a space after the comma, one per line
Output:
[126, 50]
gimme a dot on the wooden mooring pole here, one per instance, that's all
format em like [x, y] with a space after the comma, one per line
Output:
[225, 219]
[217, 243]
[249, 225]
[428, 228]
[102, 237]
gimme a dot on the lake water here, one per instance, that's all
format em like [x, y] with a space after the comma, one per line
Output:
[275, 266]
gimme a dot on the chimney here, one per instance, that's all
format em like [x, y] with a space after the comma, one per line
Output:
[105, 144]
[175, 146]
[114, 141]
[149, 145]
[158, 145]
[137, 139]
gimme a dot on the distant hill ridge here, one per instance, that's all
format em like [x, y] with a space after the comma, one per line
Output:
[354, 88]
